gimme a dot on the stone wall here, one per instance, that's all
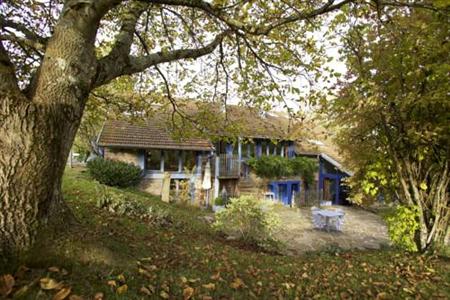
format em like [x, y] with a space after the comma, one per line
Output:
[151, 186]
[125, 155]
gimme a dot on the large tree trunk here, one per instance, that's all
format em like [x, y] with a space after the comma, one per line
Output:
[37, 129]
[33, 153]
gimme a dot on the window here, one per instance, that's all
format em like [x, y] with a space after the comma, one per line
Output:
[245, 149]
[258, 149]
[171, 160]
[153, 160]
[231, 148]
[251, 152]
[269, 149]
[286, 149]
[263, 148]
[189, 160]
[279, 147]
[222, 147]
[235, 148]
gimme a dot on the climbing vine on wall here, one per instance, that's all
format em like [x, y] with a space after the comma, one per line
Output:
[277, 167]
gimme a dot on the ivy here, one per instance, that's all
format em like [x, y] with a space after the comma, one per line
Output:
[278, 167]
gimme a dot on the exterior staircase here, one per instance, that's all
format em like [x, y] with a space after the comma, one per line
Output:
[250, 185]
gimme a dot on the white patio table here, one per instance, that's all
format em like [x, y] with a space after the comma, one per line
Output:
[328, 215]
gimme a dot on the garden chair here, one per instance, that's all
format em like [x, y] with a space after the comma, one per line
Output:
[317, 220]
[339, 221]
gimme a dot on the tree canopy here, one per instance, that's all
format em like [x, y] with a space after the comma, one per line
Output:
[258, 51]
[394, 114]
[258, 48]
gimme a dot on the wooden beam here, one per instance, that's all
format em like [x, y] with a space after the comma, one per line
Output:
[162, 161]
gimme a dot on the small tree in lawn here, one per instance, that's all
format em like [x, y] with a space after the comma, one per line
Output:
[394, 118]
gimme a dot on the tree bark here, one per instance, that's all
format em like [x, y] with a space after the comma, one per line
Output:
[35, 143]
[37, 131]
[433, 202]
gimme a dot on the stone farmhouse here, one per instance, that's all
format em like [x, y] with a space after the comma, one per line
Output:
[151, 145]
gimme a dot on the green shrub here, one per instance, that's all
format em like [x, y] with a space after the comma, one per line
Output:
[117, 203]
[247, 219]
[114, 173]
[219, 201]
[402, 226]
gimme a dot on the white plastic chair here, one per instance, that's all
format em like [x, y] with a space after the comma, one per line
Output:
[317, 220]
[269, 196]
[339, 221]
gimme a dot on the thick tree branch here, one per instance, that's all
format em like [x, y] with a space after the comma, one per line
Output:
[134, 64]
[30, 35]
[8, 80]
[138, 64]
[29, 38]
[23, 41]
[121, 49]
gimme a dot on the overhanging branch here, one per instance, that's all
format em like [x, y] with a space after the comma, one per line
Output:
[135, 64]
[124, 39]
[30, 43]
[29, 38]
[138, 64]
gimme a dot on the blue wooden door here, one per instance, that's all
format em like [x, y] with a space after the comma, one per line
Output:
[284, 190]
[283, 195]
[295, 189]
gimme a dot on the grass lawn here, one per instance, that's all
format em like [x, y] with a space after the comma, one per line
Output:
[126, 258]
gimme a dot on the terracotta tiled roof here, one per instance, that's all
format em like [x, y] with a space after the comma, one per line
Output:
[271, 125]
[146, 135]
[237, 120]
[319, 141]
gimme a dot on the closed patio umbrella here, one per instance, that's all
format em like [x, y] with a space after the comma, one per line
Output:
[206, 184]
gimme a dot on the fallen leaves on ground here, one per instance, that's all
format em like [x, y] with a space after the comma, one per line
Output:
[237, 283]
[112, 283]
[203, 266]
[122, 289]
[187, 293]
[144, 290]
[54, 269]
[62, 294]
[21, 272]
[209, 286]
[6, 284]
[164, 295]
[48, 283]
[121, 278]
